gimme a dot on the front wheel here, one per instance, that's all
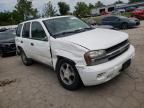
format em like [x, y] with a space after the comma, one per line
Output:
[68, 75]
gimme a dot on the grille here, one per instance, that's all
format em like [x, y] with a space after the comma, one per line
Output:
[113, 52]
[117, 50]
[111, 49]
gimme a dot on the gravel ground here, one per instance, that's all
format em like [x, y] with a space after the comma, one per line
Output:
[37, 86]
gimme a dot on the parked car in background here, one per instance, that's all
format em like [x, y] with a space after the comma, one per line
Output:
[120, 22]
[130, 9]
[7, 43]
[90, 21]
[118, 11]
[94, 24]
[77, 52]
[104, 26]
[138, 13]
[104, 13]
[3, 29]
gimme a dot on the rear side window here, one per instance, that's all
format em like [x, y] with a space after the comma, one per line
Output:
[26, 30]
[37, 31]
[18, 31]
[108, 19]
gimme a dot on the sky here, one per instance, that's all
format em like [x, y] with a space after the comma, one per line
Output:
[8, 5]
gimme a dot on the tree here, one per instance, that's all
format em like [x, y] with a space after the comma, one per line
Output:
[132, 1]
[49, 10]
[24, 10]
[63, 8]
[91, 6]
[81, 9]
[5, 18]
[119, 2]
[99, 4]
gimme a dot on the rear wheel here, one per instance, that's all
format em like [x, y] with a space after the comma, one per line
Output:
[26, 61]
[68, 75]
[3, 55]
[124, 26]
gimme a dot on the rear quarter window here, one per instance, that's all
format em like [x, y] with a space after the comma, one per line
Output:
[18, 30]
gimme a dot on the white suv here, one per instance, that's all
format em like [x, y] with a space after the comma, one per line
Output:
[77, 52]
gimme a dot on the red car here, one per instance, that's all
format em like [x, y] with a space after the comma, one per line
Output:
[139, 13]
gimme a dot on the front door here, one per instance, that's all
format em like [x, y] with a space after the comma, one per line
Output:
[39, 45]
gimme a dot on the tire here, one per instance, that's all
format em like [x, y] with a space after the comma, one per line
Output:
[124, 26]
[3, 55]
[68, 75]
[26, 61]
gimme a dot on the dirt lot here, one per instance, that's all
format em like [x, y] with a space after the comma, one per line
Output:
[37, 86]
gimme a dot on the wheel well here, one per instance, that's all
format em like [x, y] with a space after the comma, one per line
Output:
[19, 49]
[61, 58]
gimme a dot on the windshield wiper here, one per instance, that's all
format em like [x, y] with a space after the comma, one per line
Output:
[63, 33]
[74, 31]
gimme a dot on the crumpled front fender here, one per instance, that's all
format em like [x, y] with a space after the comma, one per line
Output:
[67, 50]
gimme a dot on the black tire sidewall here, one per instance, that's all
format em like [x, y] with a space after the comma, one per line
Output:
[3, 54]
[124, 26]
[76, 84]
[27, 61]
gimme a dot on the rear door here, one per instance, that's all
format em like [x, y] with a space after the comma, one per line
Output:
[40, 44]
[25, 41]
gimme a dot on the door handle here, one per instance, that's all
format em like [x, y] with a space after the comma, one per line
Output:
[21, 41]
[32, 44]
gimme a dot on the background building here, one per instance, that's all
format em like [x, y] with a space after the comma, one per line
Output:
[110, 8]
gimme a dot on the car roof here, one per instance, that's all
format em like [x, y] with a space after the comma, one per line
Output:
[118, 16]
[42, 19]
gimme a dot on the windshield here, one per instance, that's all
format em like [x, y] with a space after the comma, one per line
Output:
[9, 34]
[65, 25]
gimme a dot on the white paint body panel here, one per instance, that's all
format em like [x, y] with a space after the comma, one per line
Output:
[74, 47]
[97, 39]
[112, 68]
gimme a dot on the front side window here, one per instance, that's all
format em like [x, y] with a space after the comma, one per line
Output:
[37, 31]
[18, 31]
[64, 25]
[26, 30]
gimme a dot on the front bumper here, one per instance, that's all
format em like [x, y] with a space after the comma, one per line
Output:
[94, 75]
[8, 48]
[137, 23]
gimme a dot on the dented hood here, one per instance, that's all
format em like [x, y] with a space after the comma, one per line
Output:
[97, 39]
